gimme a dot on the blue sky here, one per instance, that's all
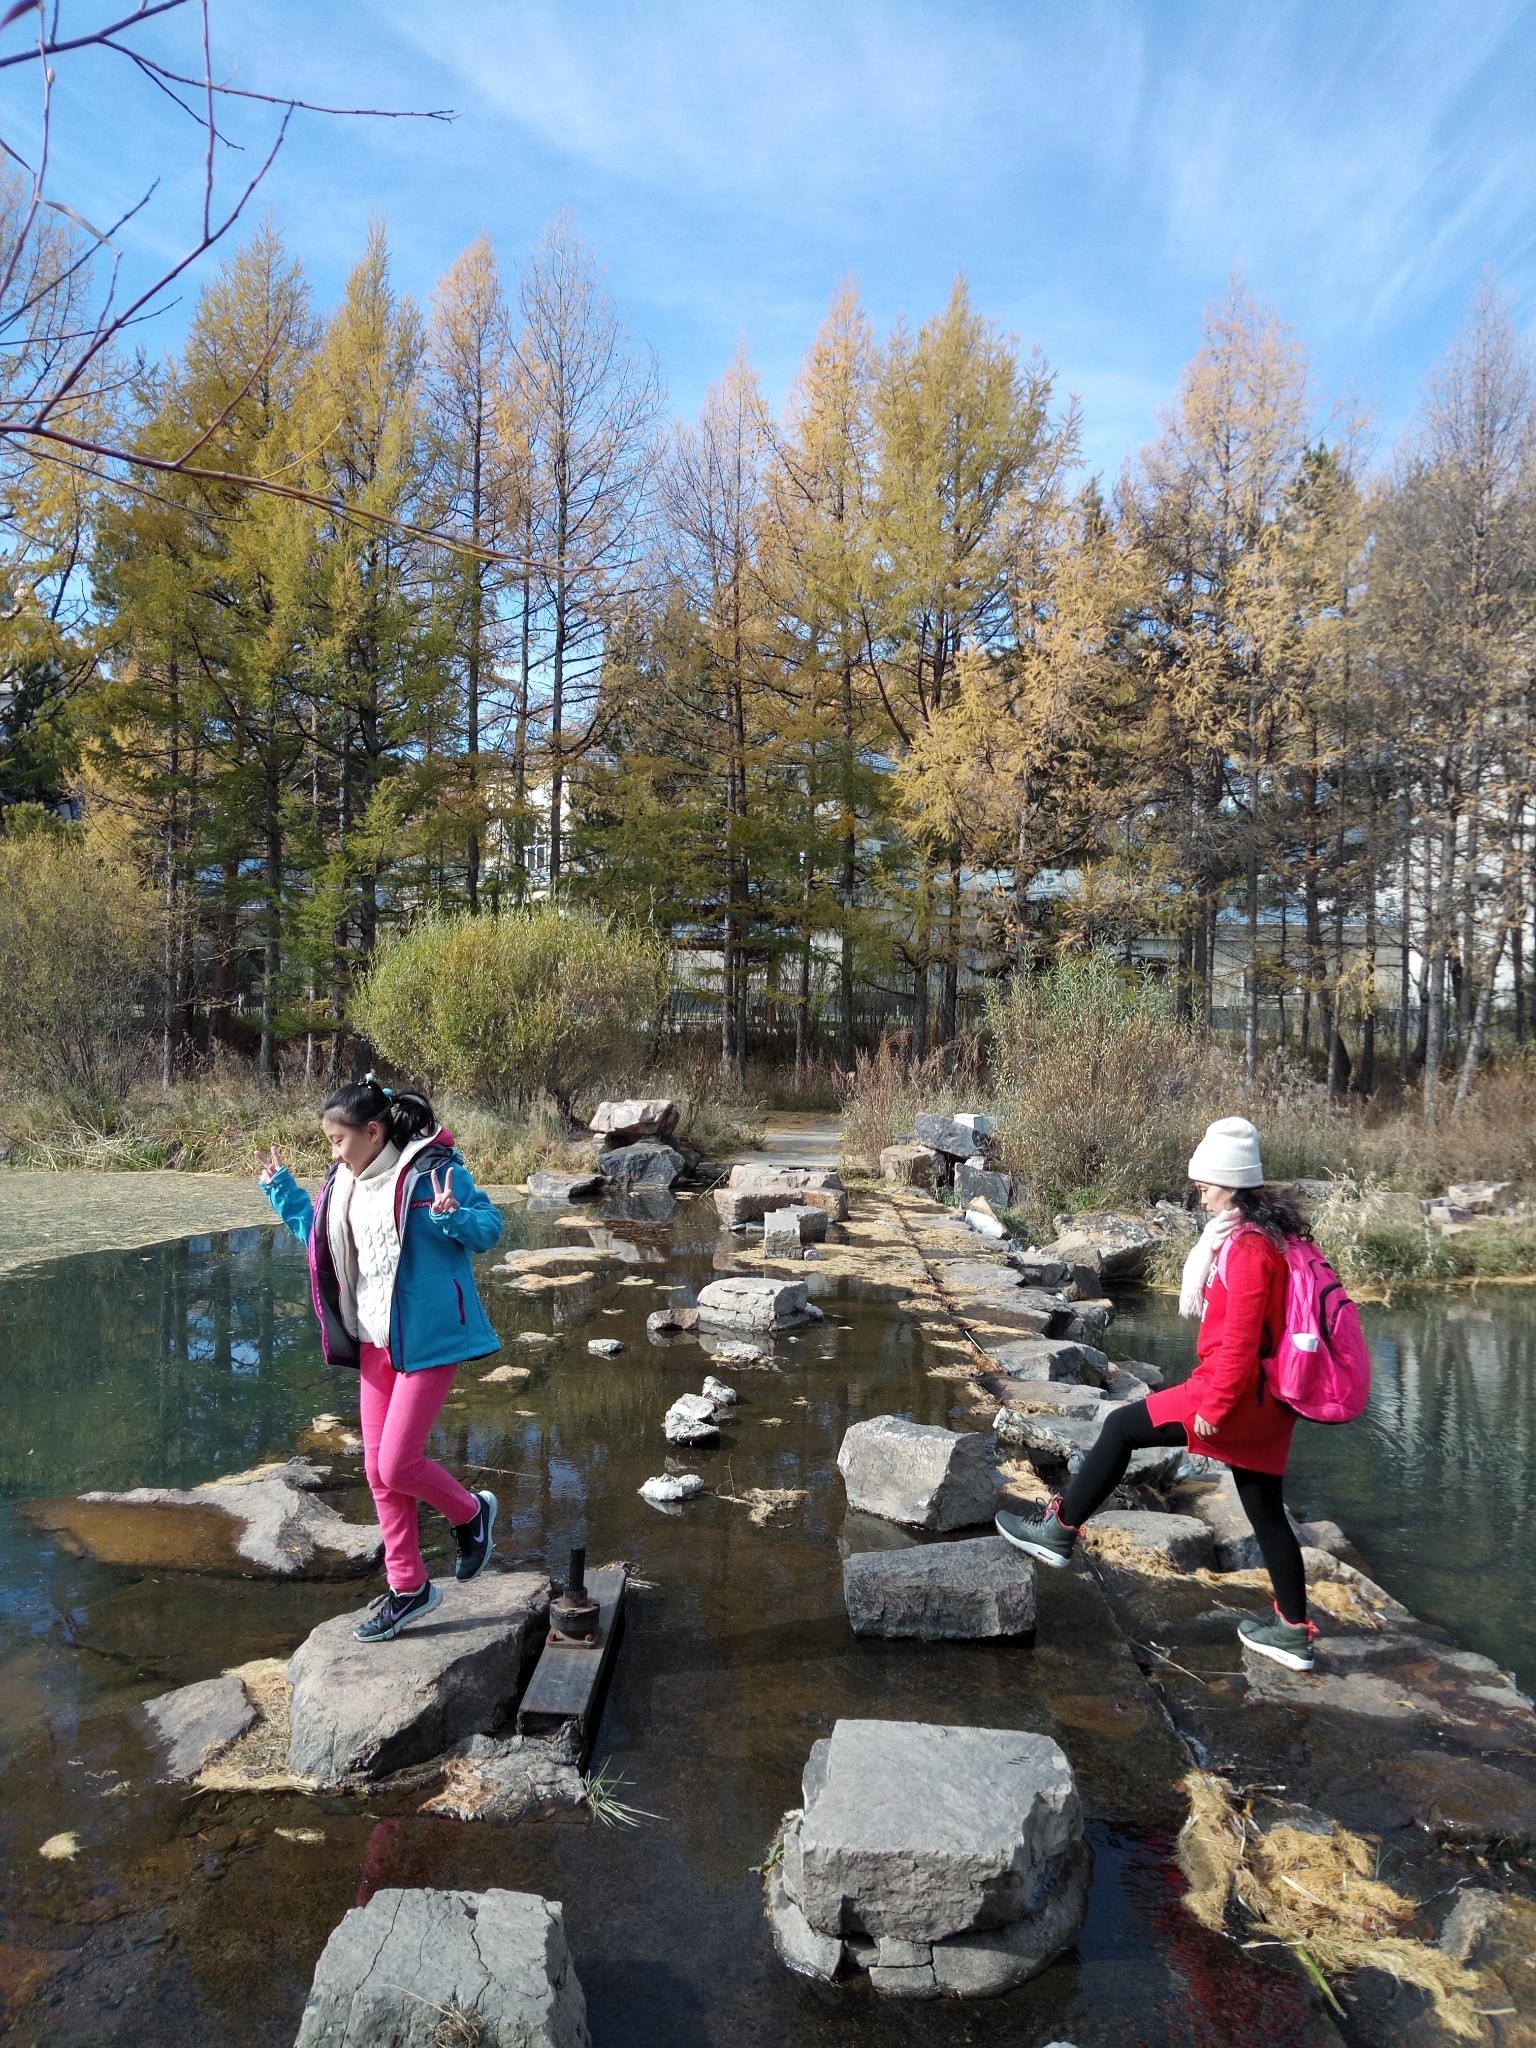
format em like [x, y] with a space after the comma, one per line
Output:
[1095, 167]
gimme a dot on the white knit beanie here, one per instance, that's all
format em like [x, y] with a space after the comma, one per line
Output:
[1228, 1155]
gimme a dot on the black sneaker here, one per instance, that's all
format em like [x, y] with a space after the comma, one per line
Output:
[397, 1611]
[1050, 1538]
[475, 1537]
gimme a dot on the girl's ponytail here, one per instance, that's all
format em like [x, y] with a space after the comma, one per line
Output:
[405, 1115]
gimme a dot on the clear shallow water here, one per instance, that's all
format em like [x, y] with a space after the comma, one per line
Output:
[192, 1919]
[1436, 1483]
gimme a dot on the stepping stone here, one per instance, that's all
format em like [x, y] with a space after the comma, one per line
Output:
[646, 1164]
[691, 1420]
[952, 1860]
[1177, 1542]
[1051, 1358]
[752, 1303]
[672, 1486]
[753, 1190]
[564, 1187]
[787, 1231]
[918, 1474]
[403, 1969]
[361, 1710]
[939, 1592]
[605, 1347]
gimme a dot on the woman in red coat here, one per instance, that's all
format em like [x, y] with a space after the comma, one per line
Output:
[1234, 1281]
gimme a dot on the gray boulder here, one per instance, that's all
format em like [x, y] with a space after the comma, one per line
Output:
[1036, 1270]
[396, 1972]
[974, 1179]
[648, 1163]
[192, 1724]
[787, 1231]
[679, 1317]
[1088, 1321]
[980, 1276]
[747, 1302]
[1125, 1244]
[1055, 1397]
[691, 1420]
[624, 1122]
[1150, 1375]
[1047, 1439]
[918, 1474]
[957, 1137]
[564, 1187]
[909, 1166]
[1051, 1358]
[941, 1591]
[916, 1837]
[365, 1709]
[265, 1523]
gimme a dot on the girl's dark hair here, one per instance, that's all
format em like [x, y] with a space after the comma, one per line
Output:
[404, 1114]
[1275, 1212]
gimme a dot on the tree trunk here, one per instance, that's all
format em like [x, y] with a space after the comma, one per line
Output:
[1477, 1036]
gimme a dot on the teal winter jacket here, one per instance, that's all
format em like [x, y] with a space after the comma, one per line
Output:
[435, 1316]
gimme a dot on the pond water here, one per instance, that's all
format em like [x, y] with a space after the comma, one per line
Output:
[186, 1918]
[1436, 1483]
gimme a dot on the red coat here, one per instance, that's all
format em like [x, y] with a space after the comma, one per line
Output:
[1243, 1322]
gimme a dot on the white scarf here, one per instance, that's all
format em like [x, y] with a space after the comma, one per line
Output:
[1202, 1257]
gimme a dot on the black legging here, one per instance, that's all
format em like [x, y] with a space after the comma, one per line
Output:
[1261, 1493]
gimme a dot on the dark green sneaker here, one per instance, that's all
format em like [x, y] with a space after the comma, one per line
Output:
[474, 1536]
[1050, 1539]
[1287, 1642]
[397, 1611]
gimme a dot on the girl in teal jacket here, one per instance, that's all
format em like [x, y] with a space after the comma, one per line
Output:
[389, 1242]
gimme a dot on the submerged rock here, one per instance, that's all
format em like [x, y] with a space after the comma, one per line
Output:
[605, 1347]
[940, 1592]
[396, 1972]
[681, 1317]
[365, 1709]
[952, 1859]
[192, 1724]
[918, 1474]
[502, 1777]
[265, 1523]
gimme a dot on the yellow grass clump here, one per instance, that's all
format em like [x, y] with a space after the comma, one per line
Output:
[1316, 1894]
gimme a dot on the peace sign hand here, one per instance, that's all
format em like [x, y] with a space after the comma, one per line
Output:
[269, 1164]
[444, 1201]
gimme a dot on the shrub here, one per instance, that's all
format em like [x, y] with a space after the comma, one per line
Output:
[505, 1009]
[1100, 1093]
[79, 969]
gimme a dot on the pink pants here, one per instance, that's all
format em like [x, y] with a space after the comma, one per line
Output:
[398, 1410]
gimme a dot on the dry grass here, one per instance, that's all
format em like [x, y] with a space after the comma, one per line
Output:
[1318, 1895]
[888, 1089]
[258, 1760]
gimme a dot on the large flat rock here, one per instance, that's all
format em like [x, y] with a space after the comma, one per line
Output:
[397, 1972]
[261, 1524]
[918, 1474]
[1051, 1358]
[364, 1709]
[747, 1302]
[938, 1592]
[918, 1832]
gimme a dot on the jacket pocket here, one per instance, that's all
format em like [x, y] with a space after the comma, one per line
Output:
[458, 1290]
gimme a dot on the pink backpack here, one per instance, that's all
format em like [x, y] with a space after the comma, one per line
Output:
[1321, 1367]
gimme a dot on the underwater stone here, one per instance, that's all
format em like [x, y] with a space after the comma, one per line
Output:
[264, 1523]
[941, 1591]
[918, 1474]
[393, 1968]
[364, 1709]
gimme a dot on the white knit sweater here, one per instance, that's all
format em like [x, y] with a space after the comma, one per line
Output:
[367, 1244]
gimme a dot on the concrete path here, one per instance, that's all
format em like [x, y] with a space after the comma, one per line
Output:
[795, 1138]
